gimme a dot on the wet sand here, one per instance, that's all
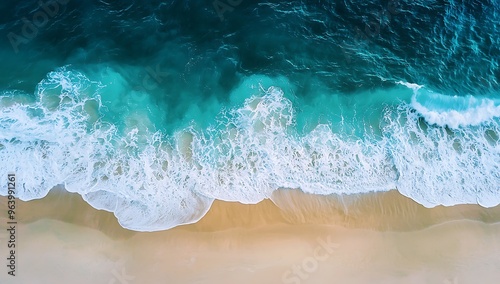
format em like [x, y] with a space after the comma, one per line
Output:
[379, 238]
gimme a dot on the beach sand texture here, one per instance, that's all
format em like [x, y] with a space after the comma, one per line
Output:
[380, 238]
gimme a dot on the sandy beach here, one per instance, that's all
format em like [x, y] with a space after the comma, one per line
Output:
[384, 238]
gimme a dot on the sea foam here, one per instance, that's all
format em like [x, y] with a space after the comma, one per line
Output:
[152, 181]
[452, 111]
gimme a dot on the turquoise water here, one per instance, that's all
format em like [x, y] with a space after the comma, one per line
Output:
[154, 110]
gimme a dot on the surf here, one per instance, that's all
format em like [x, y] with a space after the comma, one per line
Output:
[152, 180]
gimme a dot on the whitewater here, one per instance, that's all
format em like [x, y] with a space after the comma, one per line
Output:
[66, 134]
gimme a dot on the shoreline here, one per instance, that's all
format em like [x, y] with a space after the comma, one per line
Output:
[238, 243]
[382, 211]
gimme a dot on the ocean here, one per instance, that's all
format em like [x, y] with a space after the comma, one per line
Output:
[153, 110]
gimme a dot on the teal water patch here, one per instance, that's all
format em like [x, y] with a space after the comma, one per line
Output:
[355, 115]
[126, 107]
[132, 97]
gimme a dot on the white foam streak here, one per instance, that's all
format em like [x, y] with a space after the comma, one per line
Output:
[453, 112]
[476, 112]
